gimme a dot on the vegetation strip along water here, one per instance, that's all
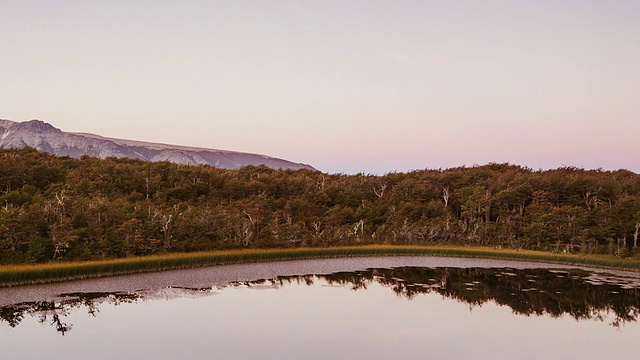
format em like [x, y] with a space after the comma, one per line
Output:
[11, 275]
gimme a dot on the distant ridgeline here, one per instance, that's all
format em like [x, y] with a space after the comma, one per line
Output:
[59, 208]
[45, 137]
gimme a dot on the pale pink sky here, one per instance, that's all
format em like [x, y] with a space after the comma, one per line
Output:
[346, 86]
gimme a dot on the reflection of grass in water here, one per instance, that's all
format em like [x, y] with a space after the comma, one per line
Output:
[50, 272]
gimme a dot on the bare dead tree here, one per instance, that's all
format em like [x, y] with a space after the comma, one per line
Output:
[321, 183]
[446, 194]
[254, 224]
[359, 227]
[165, 227]
[380, 192]
[246, 234]
[317, 226]
[146, 186]
[61, 198]
[286, 215]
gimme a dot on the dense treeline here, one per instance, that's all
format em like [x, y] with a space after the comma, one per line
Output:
[77, 209]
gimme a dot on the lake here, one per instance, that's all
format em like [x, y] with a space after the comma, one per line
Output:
[352, 308]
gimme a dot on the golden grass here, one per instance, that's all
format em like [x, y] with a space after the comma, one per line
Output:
[51, 272]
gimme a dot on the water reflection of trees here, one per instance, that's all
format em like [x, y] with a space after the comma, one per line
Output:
[55, 311]
[579, 294]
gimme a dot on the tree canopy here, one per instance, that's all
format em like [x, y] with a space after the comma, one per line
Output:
[58, 208]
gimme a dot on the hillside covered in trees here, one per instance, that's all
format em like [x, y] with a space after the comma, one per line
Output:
[57, 208]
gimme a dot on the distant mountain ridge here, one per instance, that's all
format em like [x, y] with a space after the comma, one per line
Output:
[45, 137]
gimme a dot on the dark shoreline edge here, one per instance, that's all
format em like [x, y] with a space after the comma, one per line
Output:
[16, 275]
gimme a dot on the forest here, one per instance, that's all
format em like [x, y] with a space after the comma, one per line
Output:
[63, 209]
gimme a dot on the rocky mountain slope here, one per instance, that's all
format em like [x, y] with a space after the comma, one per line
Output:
[45, 137]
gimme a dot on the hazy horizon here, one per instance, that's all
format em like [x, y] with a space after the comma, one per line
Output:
[347, 87]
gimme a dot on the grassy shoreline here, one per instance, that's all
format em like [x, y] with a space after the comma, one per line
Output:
[14, 275]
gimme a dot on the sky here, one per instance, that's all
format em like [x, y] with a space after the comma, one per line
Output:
[345, 86]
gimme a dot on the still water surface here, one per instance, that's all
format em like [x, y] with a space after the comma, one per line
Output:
[384, 308]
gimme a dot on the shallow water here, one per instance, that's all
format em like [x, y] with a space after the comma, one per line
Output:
[373, 308]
